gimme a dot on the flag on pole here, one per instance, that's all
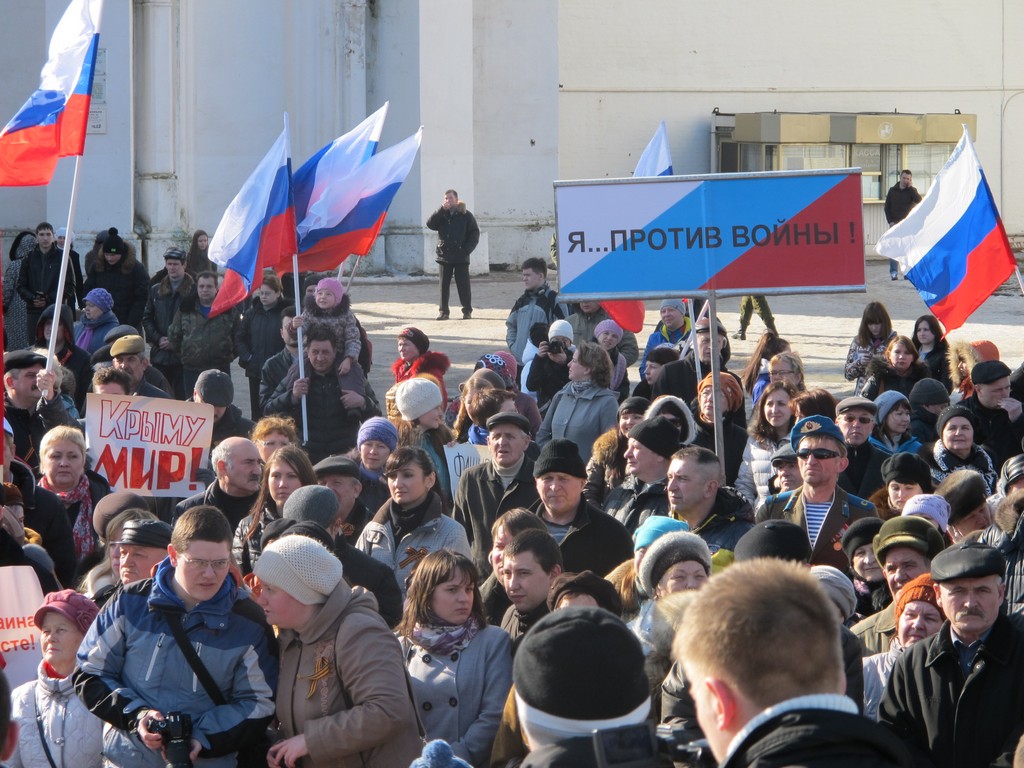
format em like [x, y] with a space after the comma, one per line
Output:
[52, 122]
[346, 219]
[258, 227]
[656, 159]
[952, 246]
[336, 161]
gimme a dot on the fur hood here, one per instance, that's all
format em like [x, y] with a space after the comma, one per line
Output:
[960, 350]
[1006, 516]
[880, 499]
[127, 264]
[609, 449]
[186, 287]
[309, 305]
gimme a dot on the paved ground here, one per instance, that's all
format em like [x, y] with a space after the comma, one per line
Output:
[819, 327]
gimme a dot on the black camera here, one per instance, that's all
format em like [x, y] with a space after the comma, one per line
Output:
[176, 731]
[556, 348]
[643, 745]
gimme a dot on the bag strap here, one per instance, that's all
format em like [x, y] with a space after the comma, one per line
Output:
[202, 673]
[39, 725]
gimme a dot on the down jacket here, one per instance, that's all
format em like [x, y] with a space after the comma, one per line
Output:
[581, 417]
[128, 283]
[756, 469]
[129, 660]
[360, 713]
[73, 733]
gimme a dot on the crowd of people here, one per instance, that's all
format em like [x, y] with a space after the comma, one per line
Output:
[841, 585]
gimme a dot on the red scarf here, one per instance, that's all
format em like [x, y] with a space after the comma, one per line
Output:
[85, 540]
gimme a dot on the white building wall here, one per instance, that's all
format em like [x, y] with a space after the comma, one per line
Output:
[620, 73]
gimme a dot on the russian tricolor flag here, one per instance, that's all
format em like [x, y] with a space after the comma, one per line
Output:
[952, 246]
[346, 219]
[52, 122]
[258, 227]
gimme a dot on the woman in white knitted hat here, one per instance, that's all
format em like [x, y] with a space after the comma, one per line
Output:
[461, 668]
[421, 405]
[342, 697]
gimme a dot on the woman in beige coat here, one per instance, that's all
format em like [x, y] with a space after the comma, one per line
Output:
[343, 698]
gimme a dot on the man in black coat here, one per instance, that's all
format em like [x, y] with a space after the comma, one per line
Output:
[775, 698]
[1000, 416]
[955, 699]
[32, 403]
[164, 301]
[589, 539]
[899, 200]
[855, 417]
[38, 278]
[502, 482]
[457, 236]
[648, 453]
[277, 366]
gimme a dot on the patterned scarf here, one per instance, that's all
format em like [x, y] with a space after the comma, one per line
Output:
[442, 639]
[579, 387]
[948, 462]
[85, 541]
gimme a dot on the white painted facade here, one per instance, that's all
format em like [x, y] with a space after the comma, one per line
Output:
[511, 94]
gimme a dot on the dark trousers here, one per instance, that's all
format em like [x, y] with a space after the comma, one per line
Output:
[461, 273]
[173, 374]
[255, 410]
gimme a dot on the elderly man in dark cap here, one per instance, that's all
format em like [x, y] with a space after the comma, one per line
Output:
[32, 403]
[855, 417]
[340, 475]
[1000, 417]
[904, 548]
[589, 538]
[502, 482]
[129, 355]
[820, 506]
[215, 388]
[649, 451]
[142, 546]
[956, 699]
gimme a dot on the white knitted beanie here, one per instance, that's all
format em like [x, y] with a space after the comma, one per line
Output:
[303, 568]
[415, 397]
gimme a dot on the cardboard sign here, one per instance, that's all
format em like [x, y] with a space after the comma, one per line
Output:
[19, 637]
[461, 457]
[778, 232]
[149, 445]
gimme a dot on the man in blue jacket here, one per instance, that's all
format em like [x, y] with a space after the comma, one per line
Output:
[132, 672]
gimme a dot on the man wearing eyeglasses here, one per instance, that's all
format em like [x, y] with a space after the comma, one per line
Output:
[132, 671]
[855, 417]
[819, 506]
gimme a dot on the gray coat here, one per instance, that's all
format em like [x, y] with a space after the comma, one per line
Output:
[581, 418]
[437, 532]
[460, 697]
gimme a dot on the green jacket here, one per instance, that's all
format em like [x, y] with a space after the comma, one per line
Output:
[203, 343]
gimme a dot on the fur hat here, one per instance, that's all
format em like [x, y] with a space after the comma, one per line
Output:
[965, 490]
[75, 607]
[379, 429]
[838, 587]
[333, 285]
[666, 551]
[861, 532]
[417, 337]
[560, 455]
[302, 567]
[315, 503]
[658, 435]
[906, 467]
[886, 401]
[929, 505]
[560, 328]
[557, 690]
[438, 754]
[175, 253]
[415, 397]
[101, 298]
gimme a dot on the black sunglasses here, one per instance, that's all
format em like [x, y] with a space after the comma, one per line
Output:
[821, 454]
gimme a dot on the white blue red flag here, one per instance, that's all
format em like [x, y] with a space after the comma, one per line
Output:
[52, 122]
[345, 221]
[324, 171]
[952, 246]
[656, 159]
[257, 230]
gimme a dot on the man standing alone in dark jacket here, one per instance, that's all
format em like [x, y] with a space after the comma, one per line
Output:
[457, 236]
[901, 198]
[37, 281]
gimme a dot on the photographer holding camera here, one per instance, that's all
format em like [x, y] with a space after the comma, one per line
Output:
[550, 369]
[185, 663]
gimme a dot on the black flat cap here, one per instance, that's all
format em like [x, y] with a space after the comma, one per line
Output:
[20, 359]
[336, 465]
[968, 560]
[509, 417]
[146, 533]
[989, 371]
